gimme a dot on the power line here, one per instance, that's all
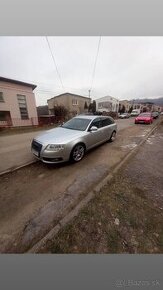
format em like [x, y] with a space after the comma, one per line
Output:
[52, 55]
[50, 90]
[29, 81]
[94, 68]
[45, 91]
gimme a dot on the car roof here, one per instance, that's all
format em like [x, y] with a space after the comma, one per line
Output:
[92, 117]
[147, 113]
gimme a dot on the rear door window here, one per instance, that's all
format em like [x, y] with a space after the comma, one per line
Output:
[97, 123]
[107, 122]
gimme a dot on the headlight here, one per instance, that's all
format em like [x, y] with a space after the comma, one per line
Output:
[54, 147]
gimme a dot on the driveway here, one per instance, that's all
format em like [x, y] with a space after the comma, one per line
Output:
[34, 198]
[15, 149]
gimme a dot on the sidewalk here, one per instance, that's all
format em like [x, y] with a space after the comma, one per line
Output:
[15, 150]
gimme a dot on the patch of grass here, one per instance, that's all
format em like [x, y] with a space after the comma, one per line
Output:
[113, 240]
[140, 228]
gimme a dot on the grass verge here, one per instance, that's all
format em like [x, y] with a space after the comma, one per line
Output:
[120, 219]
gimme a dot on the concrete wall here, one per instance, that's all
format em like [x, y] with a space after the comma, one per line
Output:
[10, 92]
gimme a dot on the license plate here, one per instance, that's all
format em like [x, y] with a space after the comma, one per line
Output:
[141, 121]
[35, 152]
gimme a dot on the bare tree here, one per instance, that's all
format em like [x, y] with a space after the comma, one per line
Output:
[60, 111]
[85, 106]
[94, 107]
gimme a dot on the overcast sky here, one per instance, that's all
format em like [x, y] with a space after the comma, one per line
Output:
[126, 68]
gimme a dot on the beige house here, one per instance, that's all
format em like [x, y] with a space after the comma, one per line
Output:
[125, 103]
[73, 103]
[17, 103]
[157, 108]
[142, 106]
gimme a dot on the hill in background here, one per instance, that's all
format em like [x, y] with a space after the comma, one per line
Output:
[158, 101]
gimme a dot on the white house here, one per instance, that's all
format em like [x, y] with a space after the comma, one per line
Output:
[107, 104]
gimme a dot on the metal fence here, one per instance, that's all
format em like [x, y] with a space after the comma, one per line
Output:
[43, 120]
[34, 121]
[18, 122]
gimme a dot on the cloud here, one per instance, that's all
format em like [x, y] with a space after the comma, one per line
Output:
[127, 67]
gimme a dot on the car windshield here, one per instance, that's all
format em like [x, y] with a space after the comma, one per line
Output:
[80, 124]
[145, 115]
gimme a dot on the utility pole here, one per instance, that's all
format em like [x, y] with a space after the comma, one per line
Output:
[89, 93]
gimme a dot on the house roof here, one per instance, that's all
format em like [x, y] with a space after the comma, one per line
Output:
[107, 98]
[17, 82]
[75, 95]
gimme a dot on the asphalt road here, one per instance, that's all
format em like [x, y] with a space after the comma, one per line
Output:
[15, 149]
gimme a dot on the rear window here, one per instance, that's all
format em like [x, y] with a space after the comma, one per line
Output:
[145, 115]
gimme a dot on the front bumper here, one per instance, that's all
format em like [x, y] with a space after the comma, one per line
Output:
[50, 157]
[142, 122]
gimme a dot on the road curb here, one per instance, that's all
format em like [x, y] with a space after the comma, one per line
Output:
[18, 167]
[41, 245]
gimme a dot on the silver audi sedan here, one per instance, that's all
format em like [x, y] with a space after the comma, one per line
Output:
[71, 140]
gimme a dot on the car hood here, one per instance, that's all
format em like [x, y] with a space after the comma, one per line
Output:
[59, 136]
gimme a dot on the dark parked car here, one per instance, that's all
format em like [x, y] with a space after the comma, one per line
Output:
[155, 115]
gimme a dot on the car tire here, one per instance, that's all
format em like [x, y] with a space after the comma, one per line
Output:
[113, 136]
[77, 153]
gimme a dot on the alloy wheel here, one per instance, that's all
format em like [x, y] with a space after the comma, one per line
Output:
[78, 153]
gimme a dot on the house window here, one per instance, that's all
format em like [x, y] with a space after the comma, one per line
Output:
[74, 102]
[1, 97]
[22, 107]
[106, 105]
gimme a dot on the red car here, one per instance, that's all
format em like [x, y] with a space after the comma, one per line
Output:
[144, 118]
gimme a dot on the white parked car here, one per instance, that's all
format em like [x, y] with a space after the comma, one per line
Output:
[124, 116]
[135, 113]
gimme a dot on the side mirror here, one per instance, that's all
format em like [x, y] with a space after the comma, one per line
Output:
[61, 124]
[93, 129]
